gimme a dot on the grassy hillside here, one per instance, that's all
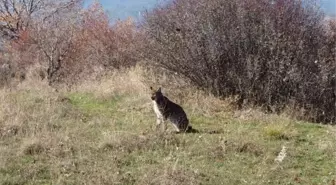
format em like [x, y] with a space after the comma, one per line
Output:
[103, 133]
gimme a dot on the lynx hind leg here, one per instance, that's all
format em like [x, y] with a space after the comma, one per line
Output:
[176, 128]
[182, 127]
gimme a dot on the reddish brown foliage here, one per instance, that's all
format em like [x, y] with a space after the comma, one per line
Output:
[73, 44]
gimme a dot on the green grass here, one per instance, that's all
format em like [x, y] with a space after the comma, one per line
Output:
[112, 140]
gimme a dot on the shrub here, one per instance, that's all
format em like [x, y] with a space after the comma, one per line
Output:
[270, 53]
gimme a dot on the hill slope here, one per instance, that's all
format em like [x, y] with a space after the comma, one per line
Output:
[103, 133]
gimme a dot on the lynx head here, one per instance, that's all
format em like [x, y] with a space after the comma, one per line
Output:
[156, 94]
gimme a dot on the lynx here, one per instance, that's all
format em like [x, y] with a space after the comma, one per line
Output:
[166, 109]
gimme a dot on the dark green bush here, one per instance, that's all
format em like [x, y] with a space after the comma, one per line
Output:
[271, 53]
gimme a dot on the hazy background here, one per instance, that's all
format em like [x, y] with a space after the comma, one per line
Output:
[124, 8]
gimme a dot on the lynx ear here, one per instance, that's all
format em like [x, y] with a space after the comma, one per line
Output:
[159, 90]
[151, 88]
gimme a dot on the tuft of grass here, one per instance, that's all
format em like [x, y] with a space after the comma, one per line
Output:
[277, 132]
[33, 147]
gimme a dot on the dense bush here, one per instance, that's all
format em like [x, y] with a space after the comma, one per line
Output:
[271, 53]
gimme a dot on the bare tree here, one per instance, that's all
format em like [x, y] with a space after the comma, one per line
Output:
[16, 15]
[39, 31]
[54, 33]
[68, 43]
